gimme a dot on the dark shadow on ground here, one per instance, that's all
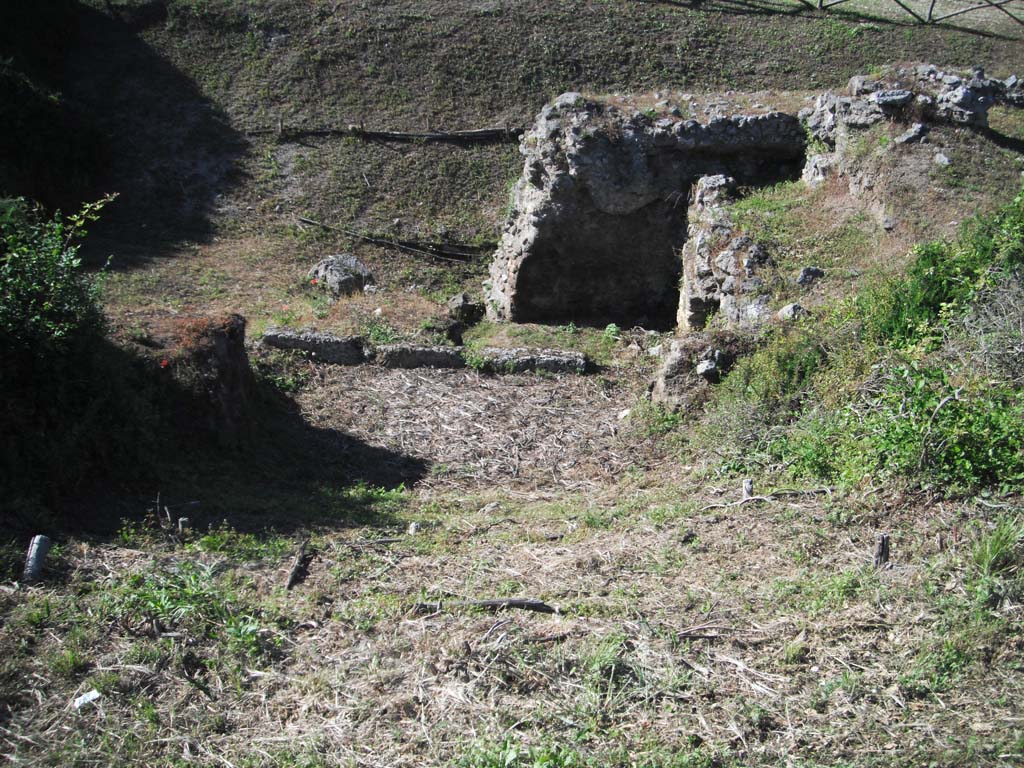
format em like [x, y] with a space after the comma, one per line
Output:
[1001, 140]
[172, 152]
[735, 7]
[291, 475]
[279, 473]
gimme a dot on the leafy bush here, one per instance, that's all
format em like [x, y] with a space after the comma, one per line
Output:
[46, 303]
[778, 377]
[380, 332]
[192, 596]
[653, 419]
[918, 425]
[945, 278]
[73, 404]
[763, 394]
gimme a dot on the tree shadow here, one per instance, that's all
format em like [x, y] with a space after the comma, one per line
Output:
[736, 7]
[135, 430]
[172, 151]
[289, 476]
[795, 8]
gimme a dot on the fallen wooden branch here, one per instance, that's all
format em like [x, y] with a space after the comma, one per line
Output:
[770, 496]
[550, 638]
[740, 503]
[474, 136]
[458, 252]
[537, 606]
[374, 542]
[801, 492]
[697, 630]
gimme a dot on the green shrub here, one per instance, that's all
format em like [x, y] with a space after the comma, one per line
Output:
[654, 420]
[917, 426]
[896, 382]
[191, 596]
[777, 377]
[46, 303]
[74, 404]
[380, 332]
[944, 278]
[764, 393]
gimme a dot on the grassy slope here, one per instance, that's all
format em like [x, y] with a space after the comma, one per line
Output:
[694, 634]
[414, 66]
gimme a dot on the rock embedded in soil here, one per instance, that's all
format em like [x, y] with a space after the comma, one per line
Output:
[340, 350]
[791, 312]
[463, 309]
[913, 135]
[411, 356]
[694, 362]
[515, 360]
[809, 275]
[817, 169]
[340, 275]
[354, 350]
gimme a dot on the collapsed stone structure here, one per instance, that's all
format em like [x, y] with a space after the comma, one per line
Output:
[600, 213]
[921, 94]
[622, 216]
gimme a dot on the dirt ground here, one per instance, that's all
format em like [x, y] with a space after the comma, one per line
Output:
[318, 611]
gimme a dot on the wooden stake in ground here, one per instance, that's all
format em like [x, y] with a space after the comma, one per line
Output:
[296, 572]
[882, 550]
[37, 551]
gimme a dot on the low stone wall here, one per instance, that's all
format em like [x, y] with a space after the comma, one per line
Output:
[355, 350]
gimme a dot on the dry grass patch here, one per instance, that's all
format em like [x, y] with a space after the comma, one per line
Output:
[476, 430]
[742, 635]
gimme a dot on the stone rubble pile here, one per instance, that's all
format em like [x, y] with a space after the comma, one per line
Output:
[921, 94]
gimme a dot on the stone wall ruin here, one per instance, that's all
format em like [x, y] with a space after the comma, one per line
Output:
[607, 198]
[600, 214]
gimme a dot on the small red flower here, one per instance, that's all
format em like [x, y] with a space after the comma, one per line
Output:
[164, 363]
[313, 281]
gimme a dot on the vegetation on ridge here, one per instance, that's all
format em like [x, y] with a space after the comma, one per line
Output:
[913, 379]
